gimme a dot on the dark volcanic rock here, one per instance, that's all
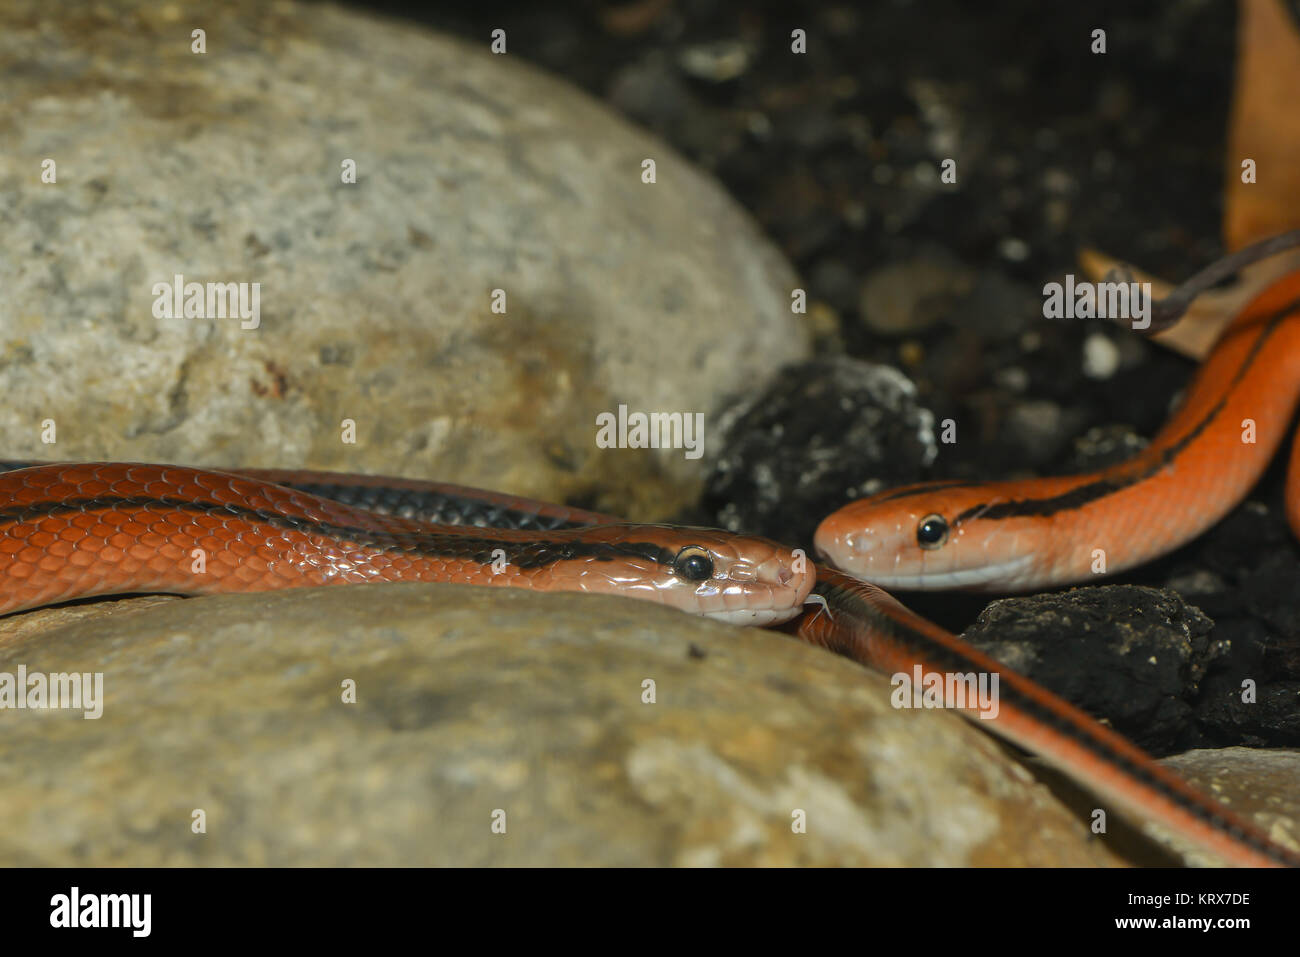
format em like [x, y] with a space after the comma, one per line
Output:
[825, 430]
[1133, 655]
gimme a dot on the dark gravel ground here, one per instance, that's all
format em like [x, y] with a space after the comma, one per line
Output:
[835, 153]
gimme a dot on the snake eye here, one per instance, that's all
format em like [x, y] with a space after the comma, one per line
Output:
[932, 532]
[694, 563]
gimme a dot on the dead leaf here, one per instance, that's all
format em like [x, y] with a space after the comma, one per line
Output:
[1264, 126]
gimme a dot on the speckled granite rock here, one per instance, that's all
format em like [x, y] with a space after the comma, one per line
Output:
[470, 701]
[473, 172]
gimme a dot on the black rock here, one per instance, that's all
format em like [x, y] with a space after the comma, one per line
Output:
[1134, 656]
[826, 431]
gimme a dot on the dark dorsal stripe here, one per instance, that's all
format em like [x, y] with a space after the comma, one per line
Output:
[532, 553]
[433, 507]
[1082, 495]
[438, 508]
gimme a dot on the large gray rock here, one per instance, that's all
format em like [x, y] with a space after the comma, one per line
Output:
[474, 172]
[473, 700]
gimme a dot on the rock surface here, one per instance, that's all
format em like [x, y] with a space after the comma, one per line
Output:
[473, 700]
[1135, 655]
[474, 172]
[1261, 785]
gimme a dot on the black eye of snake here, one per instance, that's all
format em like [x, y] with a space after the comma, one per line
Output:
[932, 532]
[694, 564]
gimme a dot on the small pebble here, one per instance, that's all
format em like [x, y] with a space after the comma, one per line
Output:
[1100, 357]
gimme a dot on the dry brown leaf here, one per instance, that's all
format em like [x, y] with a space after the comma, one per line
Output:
[1264, 126]
[1199, 328]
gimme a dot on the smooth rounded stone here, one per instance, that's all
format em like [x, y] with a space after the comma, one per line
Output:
[1263, 786]
[473, 701]
[909, 297]
[475, 172]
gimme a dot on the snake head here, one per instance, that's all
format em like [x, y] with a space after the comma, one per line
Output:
[935, 535]
[732, 578]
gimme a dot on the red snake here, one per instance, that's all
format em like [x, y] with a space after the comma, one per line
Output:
[78, 530]
[1044, 532]
[71, 531]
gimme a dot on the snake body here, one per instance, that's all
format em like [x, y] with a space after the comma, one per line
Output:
[871, 627]
[103, 528]
[78, 530]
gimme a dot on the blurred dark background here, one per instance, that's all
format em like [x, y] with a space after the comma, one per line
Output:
[836, 153]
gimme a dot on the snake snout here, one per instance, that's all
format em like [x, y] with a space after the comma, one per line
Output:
[859, 543]
[841, 547]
